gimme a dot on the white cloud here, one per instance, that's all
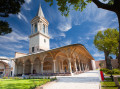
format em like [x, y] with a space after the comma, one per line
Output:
[98, 54]
[56, 35]
[64, 26]
[28, 1]
[26, 7]
[96, 29]
[87, 38]
[100, 59]
[62, 34]
[115, 20]
[14, 37]
[65, 42]
[65, 23]
[21, 16]
[68, 42]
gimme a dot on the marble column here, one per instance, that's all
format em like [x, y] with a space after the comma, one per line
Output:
[16, 69]
[42, 67]
[23, 68]
[31, 68]
[79, 67]
[82, 67]
[75, 66]
[54, 66]
[86, 67]
[69, 65]
[62, 66]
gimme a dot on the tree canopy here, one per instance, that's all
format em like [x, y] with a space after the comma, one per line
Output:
[107, 42]
[8, 7]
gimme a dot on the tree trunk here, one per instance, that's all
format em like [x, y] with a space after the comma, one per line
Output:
[118, 15]
[106, 60]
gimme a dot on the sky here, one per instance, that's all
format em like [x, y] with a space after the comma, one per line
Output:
[77, 28]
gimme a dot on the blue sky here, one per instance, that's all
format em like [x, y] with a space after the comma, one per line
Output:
[79, 27]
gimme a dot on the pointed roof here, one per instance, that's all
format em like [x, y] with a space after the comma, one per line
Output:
[40, 12]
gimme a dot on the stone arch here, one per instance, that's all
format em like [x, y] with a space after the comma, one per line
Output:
[27, 67]
[72, 66]
[48, 64]
[77, 64]
[20, 68]
[2, 67]
[59, 54]
[36, 66]
[65, 65]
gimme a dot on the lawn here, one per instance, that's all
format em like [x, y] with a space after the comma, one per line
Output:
[109, 84]
[21, 83]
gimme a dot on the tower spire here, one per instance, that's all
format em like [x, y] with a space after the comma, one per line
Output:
[40, 12]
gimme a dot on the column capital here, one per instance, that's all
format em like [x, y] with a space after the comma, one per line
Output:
[42, 62]
[31, 63]
[69, 59]
[54, 60]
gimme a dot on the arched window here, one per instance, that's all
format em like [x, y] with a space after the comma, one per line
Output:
[35, 28]
[32, 29]
[43, 28]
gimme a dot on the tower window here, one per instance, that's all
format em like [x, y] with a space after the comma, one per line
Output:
[44, 41]
[35, 28]
[32, 49]
[32, 29]
[43, 28]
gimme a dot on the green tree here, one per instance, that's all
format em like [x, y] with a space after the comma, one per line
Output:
[111, 5]
[106, 42]
[101, 64]
[8, 7]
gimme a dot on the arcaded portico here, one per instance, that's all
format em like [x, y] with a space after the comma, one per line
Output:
[68, 59]
[5, 68]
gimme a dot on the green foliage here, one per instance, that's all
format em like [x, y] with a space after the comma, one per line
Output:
[21, 83]
[109, 84]
[5, 77]
[8, 7]
[104, 70]
[52, 79]
[17, 78]
[113, 71]
[116, 71]
[107, 41]
[4, 28]
[101, 64]
[65, 5]
[110, 72]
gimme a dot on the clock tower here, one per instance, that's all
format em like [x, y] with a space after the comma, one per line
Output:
[39, 38]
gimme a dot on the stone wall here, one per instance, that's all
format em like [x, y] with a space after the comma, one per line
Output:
[113, 61]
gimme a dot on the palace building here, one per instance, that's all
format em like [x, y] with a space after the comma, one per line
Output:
[42, 60]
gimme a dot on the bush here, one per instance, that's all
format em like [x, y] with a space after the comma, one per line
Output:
[52, 79]
[110, 72]
[11, 77]
[116, 71]
[49, 77]
[104, 70]
[17, 78]
[5, 77]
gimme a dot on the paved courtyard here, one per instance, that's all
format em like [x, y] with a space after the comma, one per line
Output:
[88, 80]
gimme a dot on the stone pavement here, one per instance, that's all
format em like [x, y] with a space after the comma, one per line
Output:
[87, 80]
